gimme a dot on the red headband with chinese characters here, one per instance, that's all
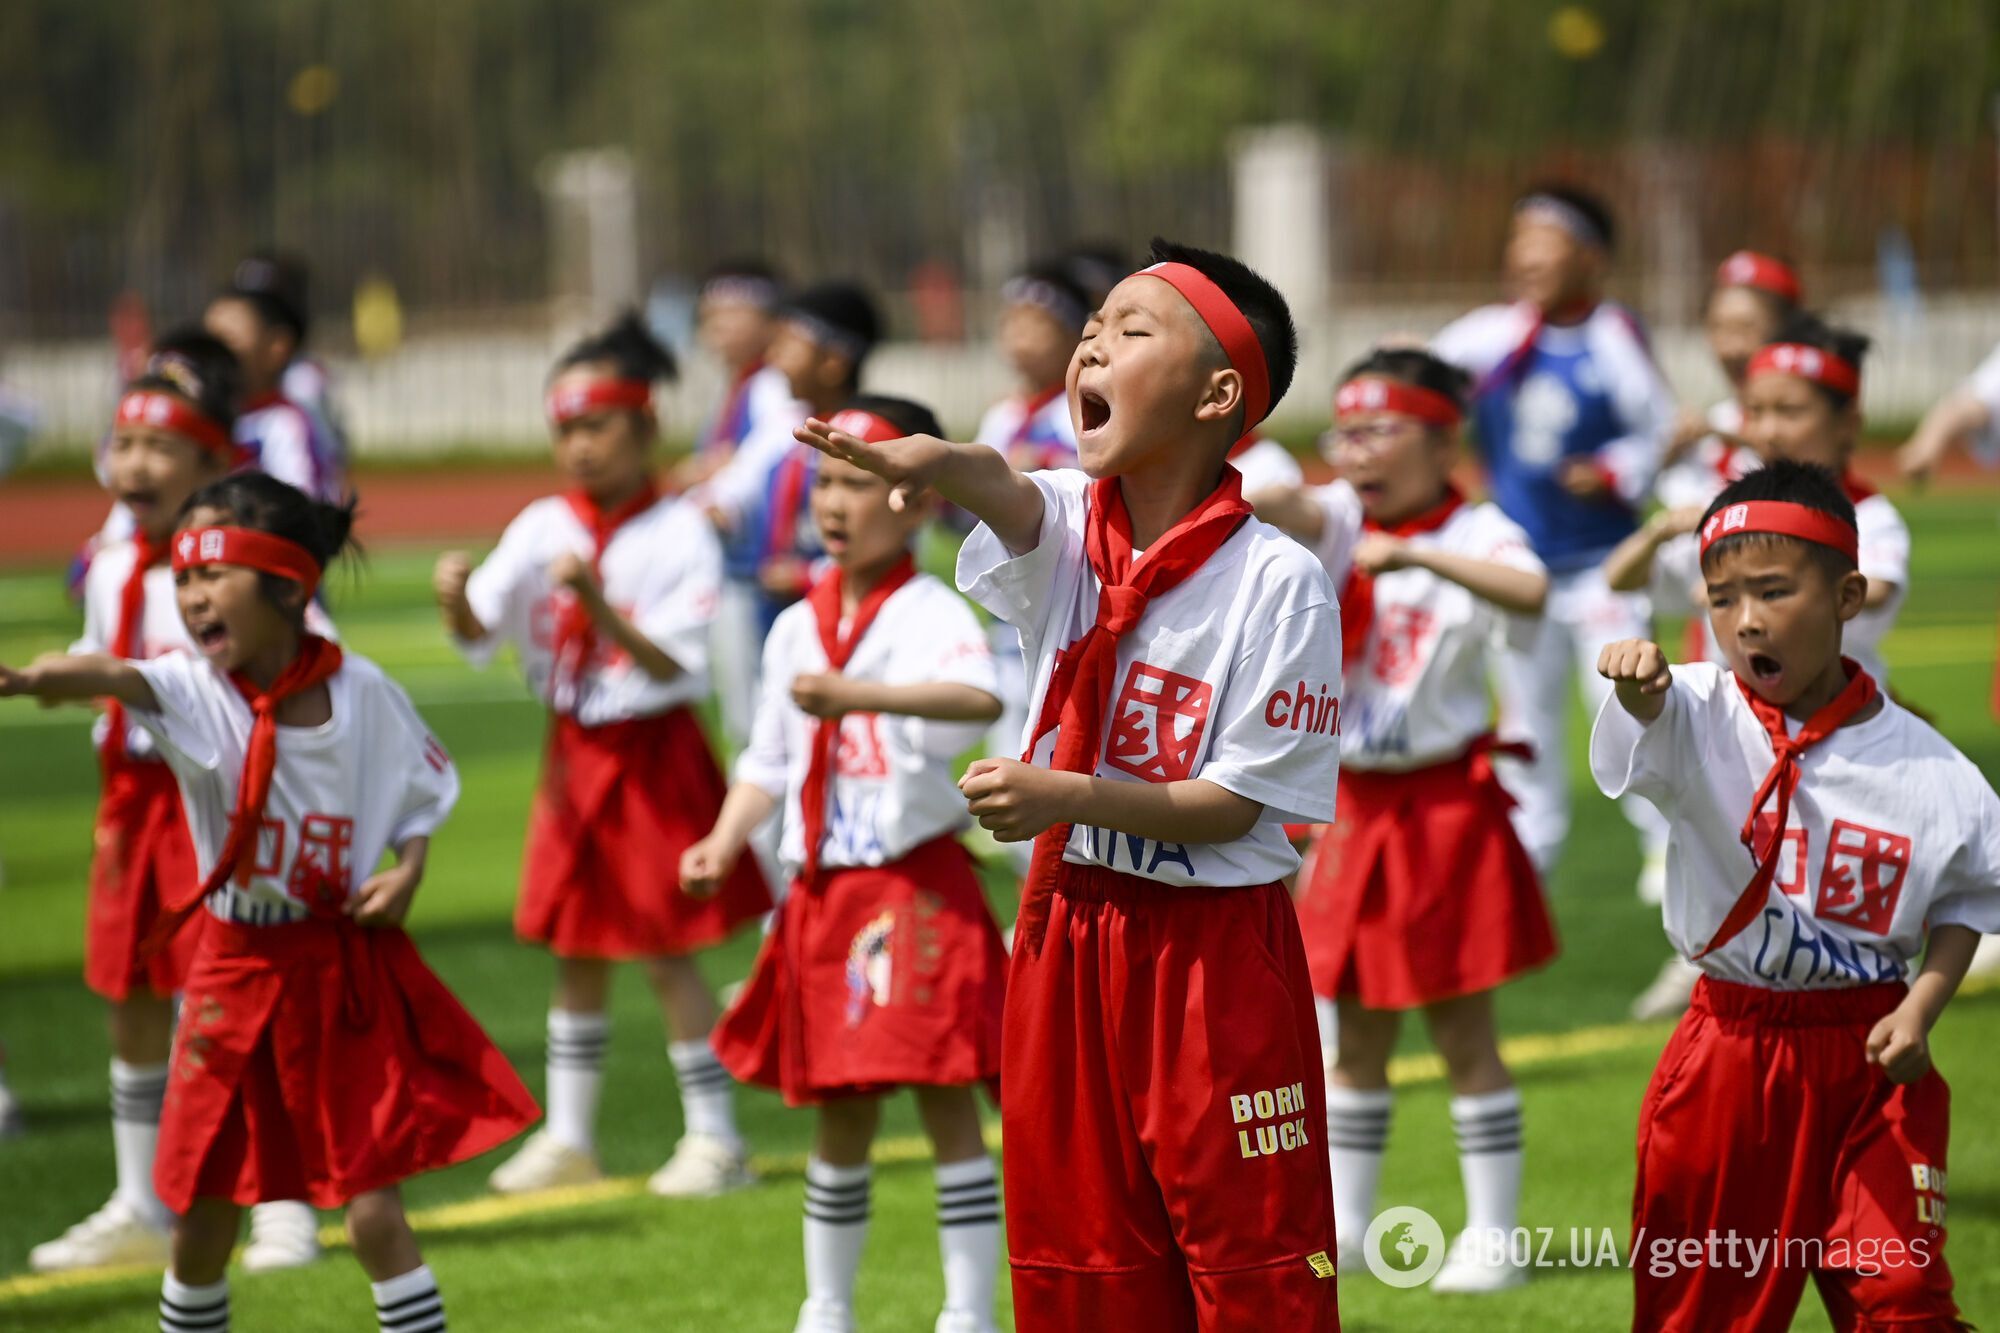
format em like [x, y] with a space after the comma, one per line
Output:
[576, 397]
[1808, 363]
[1747, 268]
[150, 407]
[1231, 329]
[1782, 518]
[1373, 393]
[865, 425]
[262, 551]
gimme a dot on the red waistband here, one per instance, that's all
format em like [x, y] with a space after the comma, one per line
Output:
[921, 858]
[286, 942]
[1842, 1007]
[624, 728]
[1473, 765]
[1096, 884]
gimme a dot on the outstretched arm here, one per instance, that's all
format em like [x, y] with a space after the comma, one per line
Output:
[976, 478]
[57, 677]
[1637, 670]
[1291, 509]
[831, 696]
[1957, 417]
[1522, 591]
[1629, 567]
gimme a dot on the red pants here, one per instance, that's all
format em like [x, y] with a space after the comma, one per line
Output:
[1164, 1113]
[143, 857]
[1765, 1120]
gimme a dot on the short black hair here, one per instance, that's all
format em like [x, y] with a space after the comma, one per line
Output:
[195, 365]
[628, 346]
[843, 318]
[1096, 267]
[1592, 206]
[1414, 365]
[1270, 318]
[277, 286]
[905, 414]
[1805, 484]
[1810, 330]
[262, 503]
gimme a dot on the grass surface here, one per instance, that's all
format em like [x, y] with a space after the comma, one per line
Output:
[618, 1259]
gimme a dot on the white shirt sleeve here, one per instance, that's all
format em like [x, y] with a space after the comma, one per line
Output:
[1644, 403]
[96, 636]
[1291, 772]
[1884, 542]
[178, 723]
[1480, 340]
[1019, 588]
[492, 591]
[1340, 512]
[766, 759]
[737, 491]
[678, 616]
[1651, 759]
[430, 777]
[286, 451]
[1969, 890]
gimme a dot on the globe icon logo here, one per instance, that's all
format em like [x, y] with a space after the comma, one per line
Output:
[1404, 1247]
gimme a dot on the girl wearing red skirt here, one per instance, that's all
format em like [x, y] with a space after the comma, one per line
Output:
[1419, 895]
[607, 593]
[170, 438]
[317, 1057]
[885, 967]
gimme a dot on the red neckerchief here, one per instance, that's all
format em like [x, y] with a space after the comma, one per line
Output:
[576, 633]
[1079, 689]
[1857, 489]
[1244, 445]
[1357, 594]
[125, 636]
[1783, 780]
[318, 659]
[825, 601]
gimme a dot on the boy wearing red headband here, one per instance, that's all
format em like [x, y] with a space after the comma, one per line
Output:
[607, 593]
[885, 968]
[1820, 835]
[1419, 895]
[170, 438]
[1163, 1100]
[317, 1057]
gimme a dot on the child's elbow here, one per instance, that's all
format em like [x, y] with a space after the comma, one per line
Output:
[1538, 595]
[986, 708]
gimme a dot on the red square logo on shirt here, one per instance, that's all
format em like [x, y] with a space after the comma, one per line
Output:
[1156, 723]
[1862, 878]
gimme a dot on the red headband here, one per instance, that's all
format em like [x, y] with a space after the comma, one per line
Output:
[150, 407]
[1231, 329]
[572, 398]
[1747, 268]
[1782, 518]
[1808, 363]
[865, 425]
[261, 551]
[1372, 393]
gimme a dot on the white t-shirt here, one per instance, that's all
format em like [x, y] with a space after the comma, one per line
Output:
[1007, 423]
[1233, 677]
[662, 570]
[343, 793]
[1418, 694]
[892, 787]
[1710, 464]
[279, 436]
[1267, 463]
[1884, 556]
[1891, 830]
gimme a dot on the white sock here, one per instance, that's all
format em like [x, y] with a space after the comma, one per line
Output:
[576, 1076]
[836, 1229]
[1357, 1134]
[968, 1201]
[1489, 1156]
[410, 1303]
[186, 1309]
[1328, 1015]
[708, 1096]
[136, 1094]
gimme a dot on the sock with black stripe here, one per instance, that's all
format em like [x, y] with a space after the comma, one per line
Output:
[968, 1202]
[836, 1229]
[137, 1092]
[1357, 1134]
[708, 1094]
[577, 1043]
[188, 1309]
[1489, 1157]
[410, 1303]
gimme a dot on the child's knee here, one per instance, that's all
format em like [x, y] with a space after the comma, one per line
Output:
[376, 1222]
[202, 1241]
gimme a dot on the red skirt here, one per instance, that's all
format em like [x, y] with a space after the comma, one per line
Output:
[617, 806]
[143, 857]
[872, 979]
[1420, 890]
[322, 1060]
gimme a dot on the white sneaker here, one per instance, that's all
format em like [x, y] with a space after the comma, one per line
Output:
[1652, 885]
[543, 1163]
[283, 1234]
[115, 1235]
[702, 1167]
[1669, 992]
[11, 1123]
[824, 1317]
[964, 1321]
[1466, 1270]
[1985, 958]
